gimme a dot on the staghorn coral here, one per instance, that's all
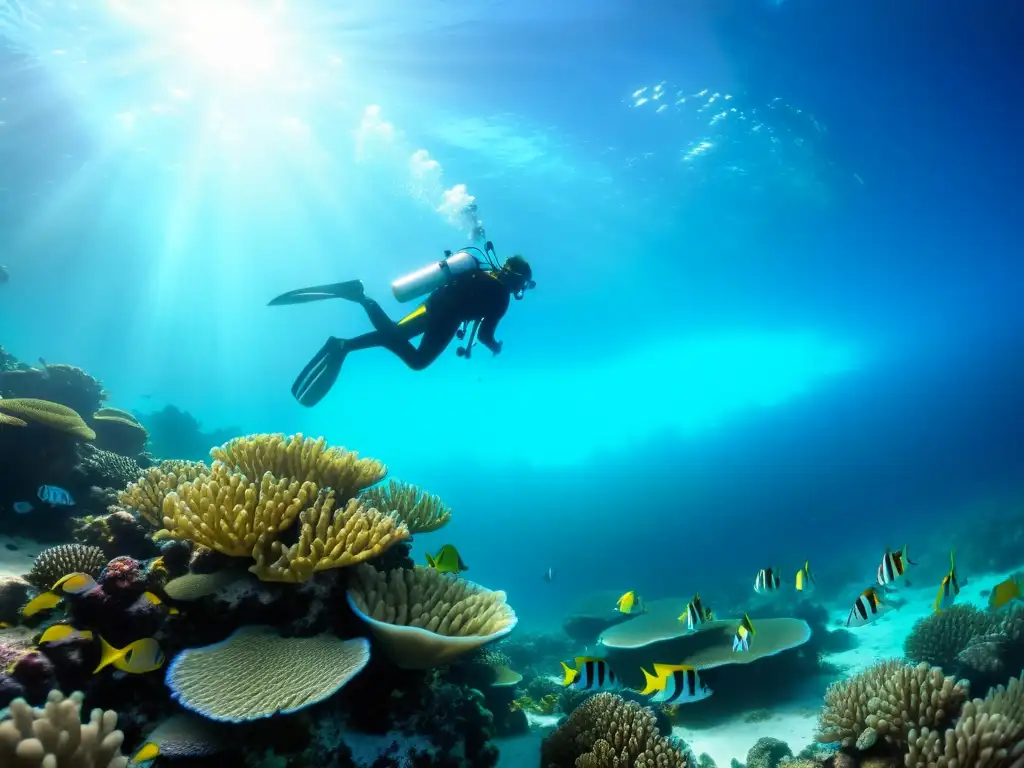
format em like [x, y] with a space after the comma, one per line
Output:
[56, 562]
[303, 459]
[107, 469]
[228, 512]
[424, 618]
[148, 492]
[348, 536]
[46, 414]
[256, 673]
[421, 511]
[938, 638]
[55, 737]
[606, 731]
[891, 699]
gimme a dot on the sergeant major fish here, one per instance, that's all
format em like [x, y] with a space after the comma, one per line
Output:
[741, 640]
[590, 674]
[894, 568]
[767, 581]
[695, 614]
[674, 684]
[868, 607]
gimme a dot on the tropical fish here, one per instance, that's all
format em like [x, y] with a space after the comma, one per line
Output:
[805, 579]
[949, 588]
[22, 507]
[1004, 592]
[55, 496]
[447, 560]
[4, 625]
[590, 674]
[137, 658]
[74, 583]
[695, 613]
[147, 752]
[157, 601]
[867, 608]
[630, 603]
[64, 632]
[549, 575]
[894, 568]
[674, 684]
[767, 581]
[41, 602]
[741, 640]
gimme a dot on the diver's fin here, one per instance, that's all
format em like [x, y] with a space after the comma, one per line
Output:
[350, 289]
[320, 373]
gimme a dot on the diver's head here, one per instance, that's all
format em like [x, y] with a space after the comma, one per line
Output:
[517, 275]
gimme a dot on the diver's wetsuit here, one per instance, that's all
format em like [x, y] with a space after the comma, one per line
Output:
[476, 295]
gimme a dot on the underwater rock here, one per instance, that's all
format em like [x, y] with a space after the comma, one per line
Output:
[118, 532]
[176, 433]
[768, 752]
[13, 595]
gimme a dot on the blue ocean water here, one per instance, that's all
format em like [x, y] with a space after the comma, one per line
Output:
[777, 249]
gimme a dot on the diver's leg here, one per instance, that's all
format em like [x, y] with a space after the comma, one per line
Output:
[320, 373]
[436, 339]
[379, 318]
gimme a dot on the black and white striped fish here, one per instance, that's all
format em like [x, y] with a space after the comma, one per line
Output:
[745, 631]
[894, 568]
[767, 581]
[55, 496]
[590, 674]
[867, 608]
[695, 614]
[674, 684]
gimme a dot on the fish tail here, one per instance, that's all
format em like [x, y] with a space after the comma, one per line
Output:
[108, 655]
[650, 683]
[430, 561]
[906, 557]
[570, 673]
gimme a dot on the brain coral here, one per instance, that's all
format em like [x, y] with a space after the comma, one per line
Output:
[56, 562]
[938, 638]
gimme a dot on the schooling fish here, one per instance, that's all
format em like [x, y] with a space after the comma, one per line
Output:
[867, 608]
[745, 631]
[149, 596]
[630, 603]
[695, 614]
[894, 568]
[138, 658]
[447, 560]
[674, 684]
[22, 507]
[55, 496]
[41, 602]
[805, 579]
[74, 584]
[1004, 592]
[590, 674]
[767, 581]
[949, 588]
[64, 632]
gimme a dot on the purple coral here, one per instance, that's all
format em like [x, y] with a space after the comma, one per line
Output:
[122, 574]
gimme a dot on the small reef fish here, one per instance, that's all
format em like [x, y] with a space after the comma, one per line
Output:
[55, 496]
[64, 632]
[549, 575]
[805, 579]
[447, 560]
[137, 658]
[74, 584]
[741, 640]
[767, 581]
[949, 588]
[147, 753]
[157, 601]
[674, 684]
[630, 603]
[590, 674]
[41, 602]
[695, 614]
[894, 568]
[1004, 592]
[867, 608]
[22, 507]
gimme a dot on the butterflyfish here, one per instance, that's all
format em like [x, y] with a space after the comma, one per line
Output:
[447, 560]
[894, 567]
[695, 614]
[157, 601]
[41, 602]
[629, 604]
[805, 579]
[137, 658]
[868, 607]
[767, 581]
[55, 496]
[59, 632]
[590, 674]
[74, 584]
[949, 588]
[674, 684]
[1004, 592]
[741, 640]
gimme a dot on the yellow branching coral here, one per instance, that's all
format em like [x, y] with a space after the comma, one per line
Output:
[228, 512]
[421, 511]
[147, 494]
[303, 459]
[47, 414]
[329, 538]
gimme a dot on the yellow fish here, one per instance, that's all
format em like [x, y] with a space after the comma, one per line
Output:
[805, 579]
[447, 560]
[42, 602]
[1004, 592]
[629, 603]
[74, 584]
[4, 625]
[741, 640]
[157, 601]
[949, 588]
[148, 751]
[137, 658]
[64, 632]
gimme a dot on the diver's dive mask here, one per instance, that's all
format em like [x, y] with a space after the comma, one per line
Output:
[518, 266]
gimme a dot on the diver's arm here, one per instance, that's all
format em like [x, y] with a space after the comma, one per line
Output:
[489, 323]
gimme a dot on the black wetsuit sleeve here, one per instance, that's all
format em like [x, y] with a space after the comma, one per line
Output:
[497, 307]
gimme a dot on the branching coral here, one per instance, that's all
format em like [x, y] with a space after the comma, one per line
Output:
[147, 494]
[424, 618]
[55, 737]
[56, 562]
[46, 414]
[329, 538]
[938, 638]
[302, 459]
[421, 511]
[887, 701]
[606, 731]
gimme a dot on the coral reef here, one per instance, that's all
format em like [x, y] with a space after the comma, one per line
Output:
[147, 494]
[606, 731]
[65, 385]
[768, 753]
[939, 637]
[49, 415]
[117, 532]
[176, 433]
[420, 511]
[54, 563]
[106, 468]
[119, 432]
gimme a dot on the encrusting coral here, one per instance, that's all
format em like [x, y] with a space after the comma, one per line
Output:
[420, 511]
[54, 736]
[424, 618]
[147, 494]
[56, 562]
[46, 414]
[606, 731]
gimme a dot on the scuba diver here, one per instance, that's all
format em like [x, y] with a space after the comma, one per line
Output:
[463, 291]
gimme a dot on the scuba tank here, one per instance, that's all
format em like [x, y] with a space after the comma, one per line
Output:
[433, 276]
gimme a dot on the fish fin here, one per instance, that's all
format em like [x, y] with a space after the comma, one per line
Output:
[651, 683]
[570, 674]
[585, 659]
[667, 669]
[906, 557]
[108, 655]
[462, 565]
[431, 563]
[749, 624]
